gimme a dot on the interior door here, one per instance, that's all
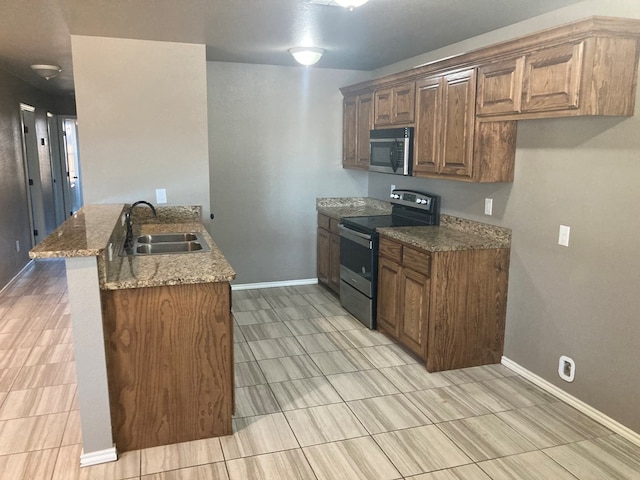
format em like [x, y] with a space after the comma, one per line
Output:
[73, 184]
[32, 174]
[58, 168]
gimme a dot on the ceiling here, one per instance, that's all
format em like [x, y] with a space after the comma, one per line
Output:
[379, 33]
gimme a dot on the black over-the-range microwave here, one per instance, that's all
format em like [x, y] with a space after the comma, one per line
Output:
[391, 150]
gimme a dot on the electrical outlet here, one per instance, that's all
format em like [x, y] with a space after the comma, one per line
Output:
[488, 206]
[17, 245]
[563, 235]
[161, 195]
[567, 368]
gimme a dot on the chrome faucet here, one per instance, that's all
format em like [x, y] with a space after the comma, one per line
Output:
[128, 239]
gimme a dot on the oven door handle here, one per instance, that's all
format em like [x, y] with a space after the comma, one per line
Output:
[357, 237]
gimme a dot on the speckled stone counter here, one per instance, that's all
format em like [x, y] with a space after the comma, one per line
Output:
[171, 269]
[352, 207]
[95, 227]
[85, 234]
[452, 234]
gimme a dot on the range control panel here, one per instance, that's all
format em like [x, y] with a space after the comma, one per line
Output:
[415, 199]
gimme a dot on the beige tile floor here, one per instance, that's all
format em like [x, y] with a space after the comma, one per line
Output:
[318, 397]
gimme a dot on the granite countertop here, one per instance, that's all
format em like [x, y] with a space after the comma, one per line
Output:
[171, 269]
[452, 234]
[85, 234]
[352, 207]
[89, 233]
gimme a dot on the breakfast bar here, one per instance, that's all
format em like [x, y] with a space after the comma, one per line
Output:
[153, 333]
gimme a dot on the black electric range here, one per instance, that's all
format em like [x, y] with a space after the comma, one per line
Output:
[359, 248]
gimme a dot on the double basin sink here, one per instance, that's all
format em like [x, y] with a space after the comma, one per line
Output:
[167, 243]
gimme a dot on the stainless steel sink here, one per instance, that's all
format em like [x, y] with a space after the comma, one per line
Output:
[179, 247]
[168, 238]
[167, 243]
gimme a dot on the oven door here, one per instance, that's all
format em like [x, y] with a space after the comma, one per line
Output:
[356, 259]
[358, 272]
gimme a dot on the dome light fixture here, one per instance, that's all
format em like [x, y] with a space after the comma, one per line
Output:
[306, 55]
[350, 4]
[46, 71]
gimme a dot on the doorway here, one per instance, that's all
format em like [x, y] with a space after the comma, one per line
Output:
[72, 191]
[32, 174]
[65, 165]
[58, 169]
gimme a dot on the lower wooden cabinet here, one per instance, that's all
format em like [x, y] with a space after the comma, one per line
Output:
[323, 255]
[388, 295]
[447, 307]
[328, 252]
[169, 360]
[414, 307]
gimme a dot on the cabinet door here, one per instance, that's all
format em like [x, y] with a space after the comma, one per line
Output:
[334, 262]
[414, 310]
[349, 123]
[323, 256]
[403, 103]
[388, 295]
[427, 140]
[552, 78]
[364, 112]
[500, 87]
[383, 107]
[459, 101]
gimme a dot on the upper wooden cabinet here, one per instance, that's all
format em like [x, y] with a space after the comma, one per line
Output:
[593, 76]
[449, 142]
[552, 78]
[364, 123]
[465, 108]
[500, 87]
[349, 126]
[445, 124]
[357, 122]
[395, 105]
[545, 81]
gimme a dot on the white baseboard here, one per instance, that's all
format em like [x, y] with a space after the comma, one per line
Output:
[100, 456]
[578, 404]
[15, 277]
[285, 283]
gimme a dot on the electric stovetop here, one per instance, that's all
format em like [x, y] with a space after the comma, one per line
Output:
[410, 208]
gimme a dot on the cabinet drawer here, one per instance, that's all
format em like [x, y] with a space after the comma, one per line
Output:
[323, 221]
[390, 249]
[416, 260]
[333, 226]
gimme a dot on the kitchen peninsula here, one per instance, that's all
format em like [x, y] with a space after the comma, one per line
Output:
[153, 334]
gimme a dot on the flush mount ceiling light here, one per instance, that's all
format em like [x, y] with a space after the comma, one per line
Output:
[306, 55]
[46, 71]
[350, 4]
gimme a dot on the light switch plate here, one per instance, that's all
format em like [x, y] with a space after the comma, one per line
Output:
[488, 206]
[563, 235]
[161, 195]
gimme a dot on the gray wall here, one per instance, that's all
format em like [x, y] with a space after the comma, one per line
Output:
[14, 213]
[275, 142]
[142, 120]
[581, 301]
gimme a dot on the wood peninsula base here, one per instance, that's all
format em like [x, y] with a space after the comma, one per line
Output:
[169, 363]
